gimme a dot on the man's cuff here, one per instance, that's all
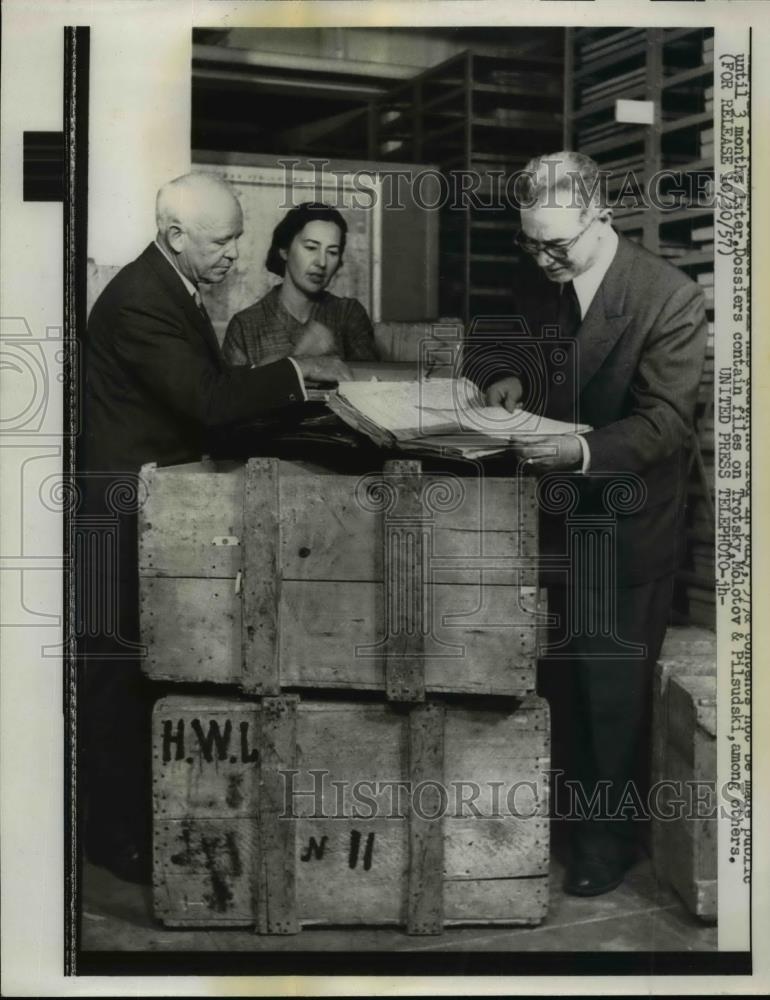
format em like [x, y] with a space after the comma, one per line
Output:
[300, 378]
[586, 454]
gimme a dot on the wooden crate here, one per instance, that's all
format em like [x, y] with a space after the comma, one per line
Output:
[686, 651]
[684, 752]
[696, 645]
[427, 342]
[270, 576]
[227, 851]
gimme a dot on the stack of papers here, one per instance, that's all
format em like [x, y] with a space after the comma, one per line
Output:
[446, 416]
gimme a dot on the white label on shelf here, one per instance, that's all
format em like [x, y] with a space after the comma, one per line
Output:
[640, 112]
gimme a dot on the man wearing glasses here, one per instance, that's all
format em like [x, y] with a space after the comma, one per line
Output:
[637, 329]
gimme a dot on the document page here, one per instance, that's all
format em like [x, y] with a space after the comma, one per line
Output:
[434, 407]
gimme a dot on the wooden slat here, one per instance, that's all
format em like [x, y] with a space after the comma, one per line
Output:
[275, 869]
[192, 526]
[688, 121]
[261, 583]
[690, 642]
[691, 720]
[686, 75]
[351, 864]
[532, 121]
[604, 103]
[482, 640]
[404, 571]
[352, 872]
[589, 48]
[331, 635]
[202, 865]
[674, 34]
[192, 630]
[519, 846]
[691, 838]
[681, 214]
[204, 801]
[500, 901]
[328, 534]
[425, 913]
[625, 137]
[601, 64]
[196, 780]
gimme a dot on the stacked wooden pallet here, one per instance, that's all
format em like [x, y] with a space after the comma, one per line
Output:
[329, 780]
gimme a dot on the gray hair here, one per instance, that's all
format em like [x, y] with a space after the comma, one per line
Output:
[189, 199]
[562, 172]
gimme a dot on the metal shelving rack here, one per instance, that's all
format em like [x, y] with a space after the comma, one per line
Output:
[480, 114]
[672, 68]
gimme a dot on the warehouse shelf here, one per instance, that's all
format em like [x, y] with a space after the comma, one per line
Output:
[688, 75]
[608, 103]
[621, 55]
[477, 112]
[690, 121]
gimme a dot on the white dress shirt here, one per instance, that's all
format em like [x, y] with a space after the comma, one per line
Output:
[587, 283]
[192, 290]
[586, 286]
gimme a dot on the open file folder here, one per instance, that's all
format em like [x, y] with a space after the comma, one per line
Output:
[447, 416]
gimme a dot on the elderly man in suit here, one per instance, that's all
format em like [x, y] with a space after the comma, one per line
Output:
[638, 329]
[157, 386]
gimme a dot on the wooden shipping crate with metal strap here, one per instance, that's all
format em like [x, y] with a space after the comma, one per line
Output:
[271, 575]
[284, 812]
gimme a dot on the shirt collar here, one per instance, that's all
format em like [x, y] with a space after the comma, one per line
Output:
[192, 290]
[587, 284]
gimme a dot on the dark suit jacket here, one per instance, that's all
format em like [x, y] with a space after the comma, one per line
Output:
[157, 383]
[638, 360]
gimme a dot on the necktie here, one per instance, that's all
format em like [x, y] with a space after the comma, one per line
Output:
[202, 309]
[569, 315]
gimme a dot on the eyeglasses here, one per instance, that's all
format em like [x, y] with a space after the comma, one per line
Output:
[556, 251]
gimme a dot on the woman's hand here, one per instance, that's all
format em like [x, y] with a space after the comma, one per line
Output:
[324, 369]
[316, 341]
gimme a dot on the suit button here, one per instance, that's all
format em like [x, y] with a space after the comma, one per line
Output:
[292, 397]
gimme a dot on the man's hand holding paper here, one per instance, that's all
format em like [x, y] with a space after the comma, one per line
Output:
[506, 392]
[449, 415]
[548, 452]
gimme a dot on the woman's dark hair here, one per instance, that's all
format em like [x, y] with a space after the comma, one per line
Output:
[294, 222]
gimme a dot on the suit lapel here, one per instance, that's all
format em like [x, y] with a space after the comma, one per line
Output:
[173, 285]
[606, 319]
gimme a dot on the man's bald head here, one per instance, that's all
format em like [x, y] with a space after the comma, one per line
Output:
[192, 199]
[199, 220]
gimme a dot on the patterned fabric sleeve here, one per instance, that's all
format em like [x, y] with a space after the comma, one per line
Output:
[357, 333]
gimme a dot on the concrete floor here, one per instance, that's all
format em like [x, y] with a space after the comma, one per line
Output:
[638, 916]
